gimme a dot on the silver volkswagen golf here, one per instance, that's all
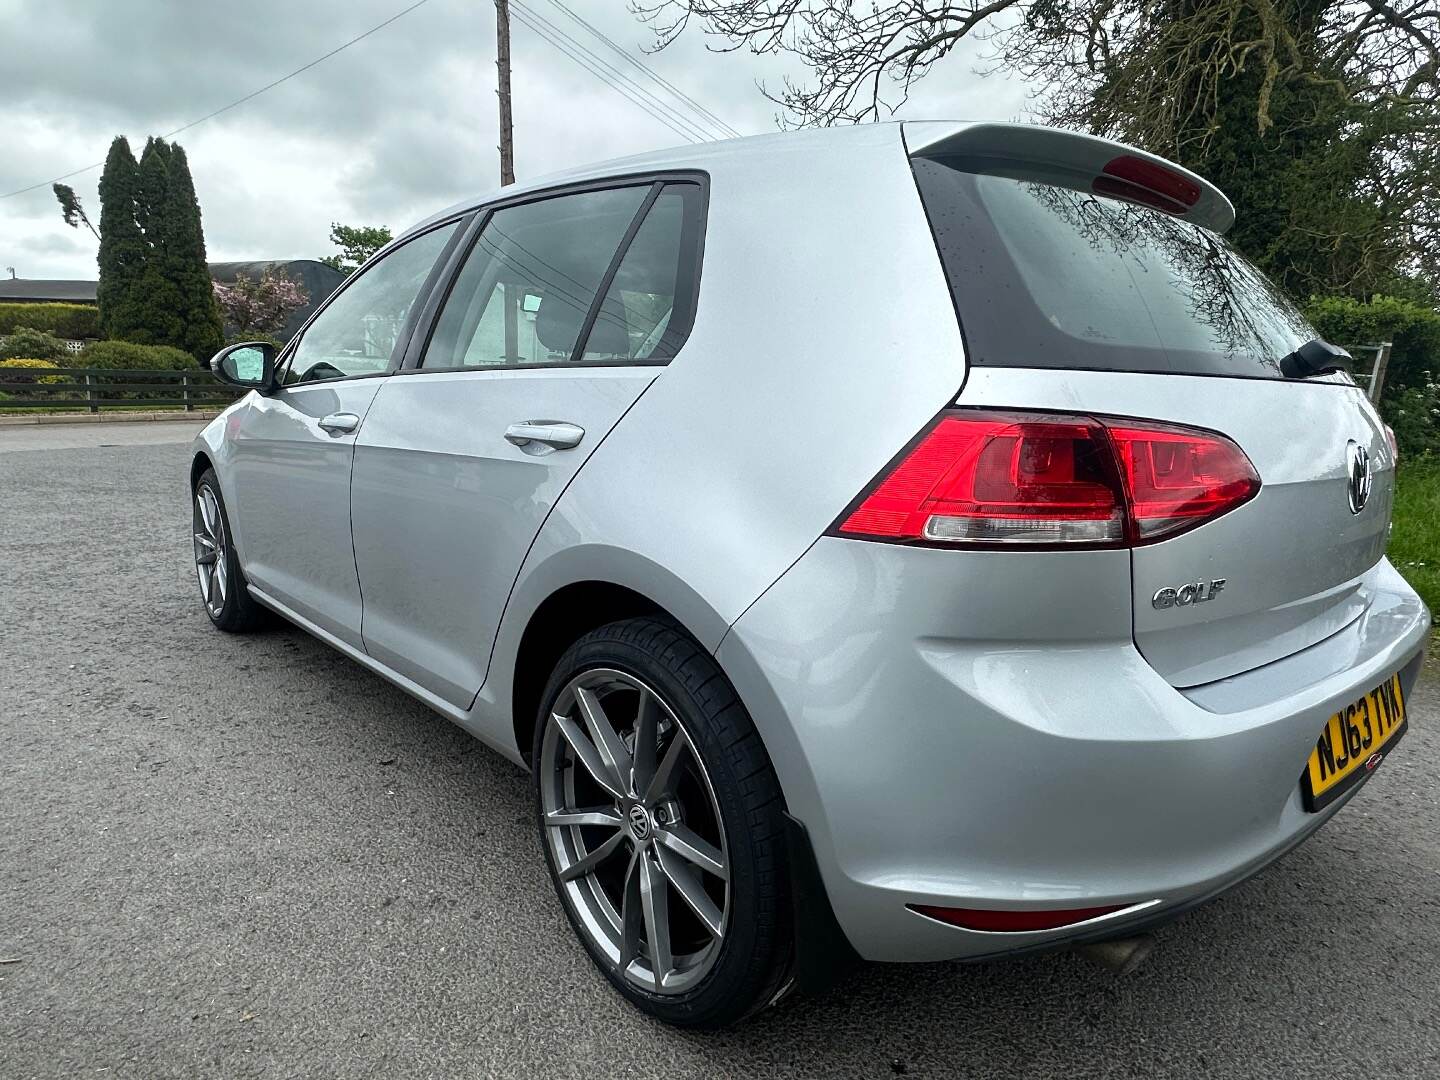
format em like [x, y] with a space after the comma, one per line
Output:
[912, 542]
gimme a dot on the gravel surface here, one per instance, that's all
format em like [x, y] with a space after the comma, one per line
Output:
[245, 856]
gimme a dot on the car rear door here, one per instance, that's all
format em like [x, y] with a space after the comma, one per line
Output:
[559, 316]
[292, 449]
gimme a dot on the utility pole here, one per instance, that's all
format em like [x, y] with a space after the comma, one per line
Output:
[502, 63]
[510, 295]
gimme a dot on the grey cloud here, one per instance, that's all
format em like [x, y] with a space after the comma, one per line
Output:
[385, 132]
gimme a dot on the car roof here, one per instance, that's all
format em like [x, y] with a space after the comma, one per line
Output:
[1047, 154]
[699, 156]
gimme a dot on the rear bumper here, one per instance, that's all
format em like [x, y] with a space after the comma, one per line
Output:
[938, 755]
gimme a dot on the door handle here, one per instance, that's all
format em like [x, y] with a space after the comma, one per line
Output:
[544, 436]
[340, 423]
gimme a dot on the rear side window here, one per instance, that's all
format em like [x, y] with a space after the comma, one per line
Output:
[1049, 277]
[600, 276]
[646, 310]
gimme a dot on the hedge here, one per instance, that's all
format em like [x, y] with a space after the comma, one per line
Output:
[77, 322]
[126, 354]
[1413, 328]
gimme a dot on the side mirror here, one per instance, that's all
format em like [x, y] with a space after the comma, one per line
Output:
[250, 364]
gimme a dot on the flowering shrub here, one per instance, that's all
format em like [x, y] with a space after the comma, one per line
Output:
[260, 308]
[18, 369]
[1414, 413]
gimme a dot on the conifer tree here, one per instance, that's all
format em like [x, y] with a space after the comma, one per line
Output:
[122, 245]
[183, 239]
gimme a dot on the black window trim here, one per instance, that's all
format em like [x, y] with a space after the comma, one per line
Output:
[419, 342]
[402, 340]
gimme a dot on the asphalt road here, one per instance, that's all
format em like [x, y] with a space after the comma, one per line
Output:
[246, 856]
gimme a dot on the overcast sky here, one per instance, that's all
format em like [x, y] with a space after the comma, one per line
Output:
[386, 132]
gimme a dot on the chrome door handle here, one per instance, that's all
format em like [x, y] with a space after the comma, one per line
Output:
[544, 436]
[340, 423]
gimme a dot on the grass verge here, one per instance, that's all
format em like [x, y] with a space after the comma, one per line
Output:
[1415, 543]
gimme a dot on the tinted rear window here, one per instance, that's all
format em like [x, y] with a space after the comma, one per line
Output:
[1048, 277]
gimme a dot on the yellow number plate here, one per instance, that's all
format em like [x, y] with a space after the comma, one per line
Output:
[1353, 743]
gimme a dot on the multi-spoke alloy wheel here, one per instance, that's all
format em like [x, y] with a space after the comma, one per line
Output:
[211, 564]
[222, 584]
[634, 830]
[663, 825]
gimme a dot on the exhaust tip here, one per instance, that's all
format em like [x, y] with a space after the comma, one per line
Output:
[1122, 955]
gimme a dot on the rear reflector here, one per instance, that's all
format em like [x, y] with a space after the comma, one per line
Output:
[980, 478]
[1014, 922]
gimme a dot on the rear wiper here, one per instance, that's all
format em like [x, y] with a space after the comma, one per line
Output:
[1315, 357]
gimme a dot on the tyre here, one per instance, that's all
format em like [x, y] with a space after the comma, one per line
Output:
[222, 583]
[662, 824]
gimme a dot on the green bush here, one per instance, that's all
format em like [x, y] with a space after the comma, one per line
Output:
[33, 344]
[1413, 328]
[1414, 414]
[77, 322]
[18, 368]
[126, 354]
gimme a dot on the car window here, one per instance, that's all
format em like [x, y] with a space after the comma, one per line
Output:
[527, 286]
[1044, 276]
[357, 331]
[636, 314]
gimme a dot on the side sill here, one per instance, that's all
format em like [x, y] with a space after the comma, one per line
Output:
[414, 689]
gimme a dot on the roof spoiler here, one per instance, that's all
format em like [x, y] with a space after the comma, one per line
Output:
[1072, 160]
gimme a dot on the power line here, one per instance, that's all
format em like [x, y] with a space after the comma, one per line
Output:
[686, 128]
[616, 80]
[238, 101]
[655, 76]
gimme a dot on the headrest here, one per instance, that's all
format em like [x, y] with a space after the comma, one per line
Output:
[558, 322]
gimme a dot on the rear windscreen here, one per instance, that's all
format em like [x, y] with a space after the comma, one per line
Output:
[1045, 276]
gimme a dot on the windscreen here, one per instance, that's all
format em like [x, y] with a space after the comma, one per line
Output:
[1045, 276]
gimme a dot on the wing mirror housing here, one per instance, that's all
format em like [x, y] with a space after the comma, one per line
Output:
[248, 364]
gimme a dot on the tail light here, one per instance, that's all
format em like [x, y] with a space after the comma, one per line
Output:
[979, 478]
[1391, 442]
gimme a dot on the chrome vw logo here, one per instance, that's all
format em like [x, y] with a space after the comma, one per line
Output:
[639, 822]
[1359, 481]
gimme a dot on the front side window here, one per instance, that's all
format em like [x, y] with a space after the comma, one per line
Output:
[357, 331]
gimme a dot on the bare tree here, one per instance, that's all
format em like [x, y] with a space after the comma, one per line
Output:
[1351, 84]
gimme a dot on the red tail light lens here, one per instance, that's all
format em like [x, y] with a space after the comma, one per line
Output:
[1175, 478]
[990, 478]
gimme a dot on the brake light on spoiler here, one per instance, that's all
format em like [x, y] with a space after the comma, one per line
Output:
[981, 478]
[1148, 183]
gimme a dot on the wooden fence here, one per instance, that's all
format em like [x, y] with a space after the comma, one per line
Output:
[94, 389]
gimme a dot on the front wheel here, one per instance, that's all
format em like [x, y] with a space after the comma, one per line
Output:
[222, 584]
[662, 823]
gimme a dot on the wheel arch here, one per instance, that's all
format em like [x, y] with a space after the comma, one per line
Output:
[198, 464]
[567, 614]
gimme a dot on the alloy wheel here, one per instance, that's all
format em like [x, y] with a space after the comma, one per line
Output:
[634, 831]
[210, 551]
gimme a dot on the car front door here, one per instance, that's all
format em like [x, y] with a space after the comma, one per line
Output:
[293, 448]
[560, 316]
